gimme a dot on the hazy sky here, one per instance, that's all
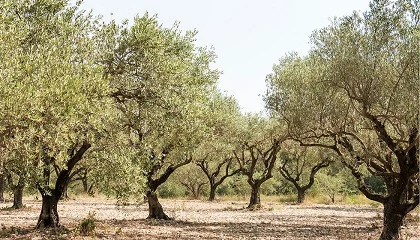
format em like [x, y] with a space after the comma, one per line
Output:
[248, 36]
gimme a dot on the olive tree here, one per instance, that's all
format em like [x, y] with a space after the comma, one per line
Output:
[299, 165]
[357, 93]
[54, 94]
[160, 80]
[217, 161]
[256, 154]
[192, 179]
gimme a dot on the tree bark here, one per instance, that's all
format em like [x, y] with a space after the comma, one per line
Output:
[18, 194]
[393, 220]
[85, 184]
[65, 194]
[255, 200]
[91, 191]
[301, 195]
[49, 215]
[155, 208]
[1, 188]
[212, 195]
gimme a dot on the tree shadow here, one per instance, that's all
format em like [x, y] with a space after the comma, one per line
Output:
[243, 230]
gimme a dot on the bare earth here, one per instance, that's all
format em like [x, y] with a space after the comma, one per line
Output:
[205, 220]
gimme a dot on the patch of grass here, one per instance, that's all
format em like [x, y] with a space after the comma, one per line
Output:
[319, 199]
[6, 232]
[87, 226]
[359, 199]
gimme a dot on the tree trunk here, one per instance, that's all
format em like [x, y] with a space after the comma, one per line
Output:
[332, 197]
[49, 215]
[65, 194]
[301, 196]
[212, 195]
[393, 220]
[155, 208]
[255, 200]
[85, 184]
[1, 188]
[18, 194]
[91, 191]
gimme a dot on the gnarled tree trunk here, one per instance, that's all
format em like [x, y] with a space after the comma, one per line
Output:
[212, 195]
[49, 215]
[393, 220]
[155, 208]
[255, 200]
[301, 195]
[18, 194]
[1, 188]
[65, 195]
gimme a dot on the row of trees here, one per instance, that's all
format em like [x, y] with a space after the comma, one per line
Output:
[126, 106]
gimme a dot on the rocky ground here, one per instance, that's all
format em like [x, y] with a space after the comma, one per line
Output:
[204, 220]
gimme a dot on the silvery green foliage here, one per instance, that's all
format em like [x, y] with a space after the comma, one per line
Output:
[53, 92]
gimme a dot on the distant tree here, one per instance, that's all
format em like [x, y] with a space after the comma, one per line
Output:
[257, 155]
[217, 160]
[2, 183]
[192, 179]
[299, 165]
[330, 185]
[17, 186]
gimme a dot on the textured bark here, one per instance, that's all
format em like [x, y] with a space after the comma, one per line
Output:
[85, 183]
[65, 194]
[255, 200]
[49, 216]
[18, 194]
[301, 196]
[155, 208]
[393, 220]
[212, 195]
[1, 188]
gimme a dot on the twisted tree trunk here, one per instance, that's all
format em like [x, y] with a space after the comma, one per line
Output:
[18, 194]
[155, 208]
[49, 216]
[1, 188]
[301, 195]
[255, 199]
[212, 195]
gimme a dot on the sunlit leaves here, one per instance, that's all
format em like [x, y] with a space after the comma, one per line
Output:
[53, 91]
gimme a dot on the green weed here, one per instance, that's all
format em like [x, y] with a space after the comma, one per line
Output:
[87, 226]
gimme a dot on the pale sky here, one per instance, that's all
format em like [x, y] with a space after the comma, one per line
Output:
[249, 36]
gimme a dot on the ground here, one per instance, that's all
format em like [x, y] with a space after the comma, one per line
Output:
[204, 220]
